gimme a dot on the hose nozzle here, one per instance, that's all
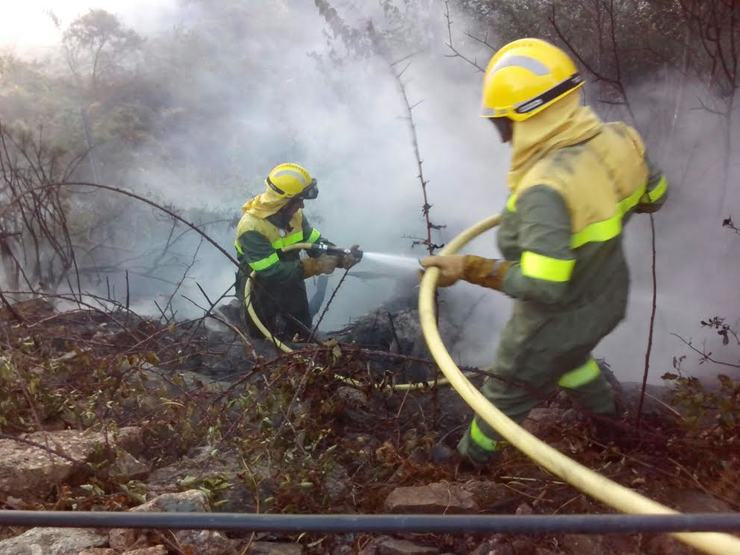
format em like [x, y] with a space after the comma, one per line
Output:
[332, 250]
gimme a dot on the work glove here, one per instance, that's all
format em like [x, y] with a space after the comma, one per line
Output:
[488, 272]
[323, 264]
[346, 261]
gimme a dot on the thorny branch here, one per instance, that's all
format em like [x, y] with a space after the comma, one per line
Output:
[455, 52]
[705, 356]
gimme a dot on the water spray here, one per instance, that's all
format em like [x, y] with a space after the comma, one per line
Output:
[394, 260]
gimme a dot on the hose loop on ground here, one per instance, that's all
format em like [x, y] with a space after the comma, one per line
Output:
[577, 475]
[287, 349]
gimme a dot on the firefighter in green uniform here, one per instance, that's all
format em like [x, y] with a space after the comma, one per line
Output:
[574, 182]
[270, 222]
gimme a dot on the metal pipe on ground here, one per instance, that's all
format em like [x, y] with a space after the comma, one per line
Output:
[501, 524]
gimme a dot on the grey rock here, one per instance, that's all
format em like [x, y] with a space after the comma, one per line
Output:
[275, 548]
[351, 395]
[28, 471]
[392, 546]
[493, 549]
[577, 543]
[203, 463]
[191, 501]
[155, 550]
[492, 496]
[52, 541]
[203, 542]
[127, 467]
[440, 497]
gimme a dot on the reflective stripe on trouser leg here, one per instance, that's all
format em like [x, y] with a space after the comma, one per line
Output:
[476, 444]
[580, 376]
[590, 389]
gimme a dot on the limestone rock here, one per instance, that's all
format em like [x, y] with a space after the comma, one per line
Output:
[493, 549]
[440, 497]
[127, 467]
[156, 550]
[191, 501]
[392, 546]
[28, 471]
[275, 548]
[52, 541]
[491, 496]
[203, 463]
[579, 543]
[203, 542]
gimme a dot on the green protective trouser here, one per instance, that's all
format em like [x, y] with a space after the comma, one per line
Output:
[283, 309]
[539, 352]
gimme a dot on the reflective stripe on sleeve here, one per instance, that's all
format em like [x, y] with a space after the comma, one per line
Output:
[265, 262]
[580, 376]
[481, 439]
[511, 203]
[239, 250]
[315, 235]
[546, 268]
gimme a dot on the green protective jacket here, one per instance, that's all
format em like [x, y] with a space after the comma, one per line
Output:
[574, 182]
[574, 185]
[278, 291]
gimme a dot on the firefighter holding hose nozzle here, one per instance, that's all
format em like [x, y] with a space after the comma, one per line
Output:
[271, 222]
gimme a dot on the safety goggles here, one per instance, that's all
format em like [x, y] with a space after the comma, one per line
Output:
[310, 192]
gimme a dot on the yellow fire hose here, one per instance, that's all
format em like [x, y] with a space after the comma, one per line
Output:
[286, 349]
[577, 475]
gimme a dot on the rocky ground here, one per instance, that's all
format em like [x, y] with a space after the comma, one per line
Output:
[105, 410]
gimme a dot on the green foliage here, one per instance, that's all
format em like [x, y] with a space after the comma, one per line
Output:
[708, 412]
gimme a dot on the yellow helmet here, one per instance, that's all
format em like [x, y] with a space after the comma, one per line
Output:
[291, 180]
[525, 77]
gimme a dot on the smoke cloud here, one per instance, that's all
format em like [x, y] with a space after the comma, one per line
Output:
[271, 82]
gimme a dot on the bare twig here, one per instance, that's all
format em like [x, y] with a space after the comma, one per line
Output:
[651, 327]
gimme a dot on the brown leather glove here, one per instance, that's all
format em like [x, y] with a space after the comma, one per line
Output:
[488, 272]
[474, 269]
[323, 264]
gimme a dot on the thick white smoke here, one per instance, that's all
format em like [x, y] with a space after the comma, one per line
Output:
[278, 89]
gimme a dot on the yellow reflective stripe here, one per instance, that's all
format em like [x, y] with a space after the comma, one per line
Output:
[609, 228]
[580, 376]
[291, 239]
[314, 236]
[265, 262]
[238, 248]
[657, 192]
[543, 267]
[511, 203]
[627, 204]
[481, 439]
[600, 231]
